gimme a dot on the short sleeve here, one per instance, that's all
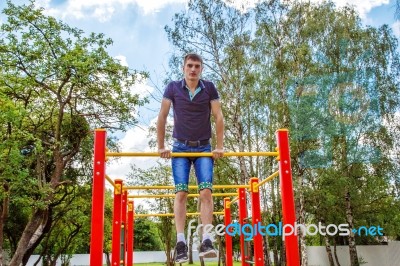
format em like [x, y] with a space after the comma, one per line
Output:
[168, 92]
[214, 95]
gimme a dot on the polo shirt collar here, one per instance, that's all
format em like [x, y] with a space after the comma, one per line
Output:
[201, 84]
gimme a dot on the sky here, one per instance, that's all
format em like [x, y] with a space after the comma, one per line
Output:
[140, 42]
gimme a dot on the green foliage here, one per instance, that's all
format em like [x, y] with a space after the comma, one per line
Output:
[145, 230]
[316, 70]
[57, 84]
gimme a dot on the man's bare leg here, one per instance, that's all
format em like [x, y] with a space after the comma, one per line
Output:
[206, 210]
[180, 211]
[180, 218]
[206, 214]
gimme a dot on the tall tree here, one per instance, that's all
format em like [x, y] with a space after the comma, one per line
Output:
[66, 83]
[331, 78]
[315, 70]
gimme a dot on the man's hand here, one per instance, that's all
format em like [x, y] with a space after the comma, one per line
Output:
[164, 153]
[218, 153]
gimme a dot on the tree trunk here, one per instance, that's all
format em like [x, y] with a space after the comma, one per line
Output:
[283, 255]
[3, 219]
[221, 254]
[275, 214]
[335, 253]
[36, 240]
[352, 241]
[190, 248]
[33, 231]
[301, 234]
[329, 251]
[267, 259]
[108, 261]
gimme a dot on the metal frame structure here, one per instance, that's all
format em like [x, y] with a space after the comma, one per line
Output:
[123, 213]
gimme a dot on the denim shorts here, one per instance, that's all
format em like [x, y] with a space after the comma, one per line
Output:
[203, 167]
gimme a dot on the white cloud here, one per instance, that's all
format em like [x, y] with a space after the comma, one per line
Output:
[396, 28]
[150, 6]
[103, 10]
[141, 86]
[142, 89]
[135, 140]
[362, 6]
[122, 60]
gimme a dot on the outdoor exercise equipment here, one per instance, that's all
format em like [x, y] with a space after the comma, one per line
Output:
[123, 212]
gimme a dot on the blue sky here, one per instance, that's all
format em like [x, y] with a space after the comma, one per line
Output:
[137, 29]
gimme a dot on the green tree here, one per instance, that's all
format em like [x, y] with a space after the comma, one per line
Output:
[145, 230]
[10, 157]
[331, 81]
[332, 78]
[225, 38]
[159, 175]
[66, 83]
[70, 226]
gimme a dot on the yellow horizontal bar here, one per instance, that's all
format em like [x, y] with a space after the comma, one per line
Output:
[189, 154]
[268, 179]
[110, 180]
[190, 187]
[171, 214]
[173, 195]
[234, 200]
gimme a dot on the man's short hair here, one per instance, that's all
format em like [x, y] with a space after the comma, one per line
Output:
[194, 57]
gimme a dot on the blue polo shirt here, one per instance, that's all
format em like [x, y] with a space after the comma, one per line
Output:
[191, 115]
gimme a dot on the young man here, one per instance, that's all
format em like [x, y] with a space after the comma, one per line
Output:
[193, 101]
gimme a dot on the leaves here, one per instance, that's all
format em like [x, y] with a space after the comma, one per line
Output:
[57, 84]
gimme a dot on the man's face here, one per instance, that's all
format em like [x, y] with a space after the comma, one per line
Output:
[192, 70]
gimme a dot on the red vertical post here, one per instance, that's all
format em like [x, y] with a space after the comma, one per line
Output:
[116, 227]
[124, 218]
[242, 217]
[98, 189]
[129, 235]
[133, 230]
[228, 238]
[287, 195]
[256, 219]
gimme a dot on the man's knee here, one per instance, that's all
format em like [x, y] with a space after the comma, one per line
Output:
[181, 196]
[206, 195]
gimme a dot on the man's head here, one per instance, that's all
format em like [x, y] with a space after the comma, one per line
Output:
[192, 67]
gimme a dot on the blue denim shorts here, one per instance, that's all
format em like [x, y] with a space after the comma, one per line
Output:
[203, 167]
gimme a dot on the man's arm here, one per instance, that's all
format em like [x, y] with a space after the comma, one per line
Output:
[219, 126]
[161, 124]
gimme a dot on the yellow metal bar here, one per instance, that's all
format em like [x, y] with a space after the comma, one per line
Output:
[268, 178]
[189, 154]
[229, 203]
[234, 200]
[190, 187]
[173, 195]
[171, 214]
[110, 180]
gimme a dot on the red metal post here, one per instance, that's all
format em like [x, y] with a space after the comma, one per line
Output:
[256, 219]
[98, 189]
[228, 238]
[124, 224]
[133, 231]
[129, 234]
[288, 208]
[242, 217]
[116, 227]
